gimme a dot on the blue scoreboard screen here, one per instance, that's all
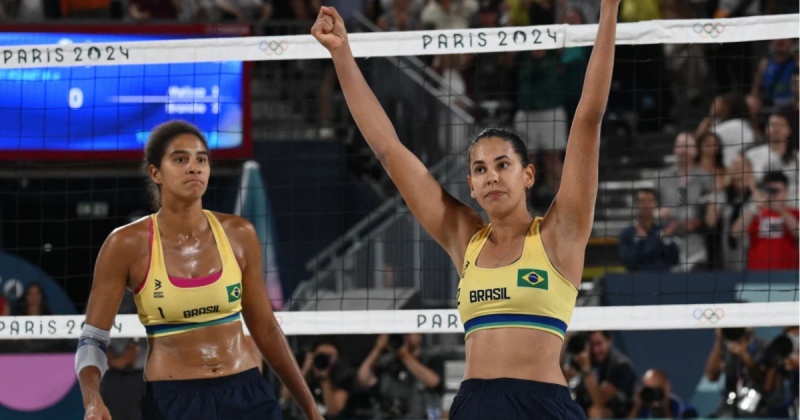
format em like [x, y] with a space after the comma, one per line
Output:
[108, 111]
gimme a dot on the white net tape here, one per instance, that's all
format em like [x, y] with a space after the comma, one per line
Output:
[393, 44]
[614, 318]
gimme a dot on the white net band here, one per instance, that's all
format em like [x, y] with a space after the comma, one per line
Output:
[388, 44]
[614, 318]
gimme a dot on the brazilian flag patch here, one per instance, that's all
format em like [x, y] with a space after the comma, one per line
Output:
[234, 292]
[529, 277]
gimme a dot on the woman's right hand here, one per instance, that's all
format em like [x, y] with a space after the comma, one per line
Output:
[382, 342]
[755, 193]
[329, 29]
[308, 363]
[97, 411]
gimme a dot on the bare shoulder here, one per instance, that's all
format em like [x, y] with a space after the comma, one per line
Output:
[239, 230]
[129, 242]
[241, 236]
[130, 236]
[234, 224]
[470, 223]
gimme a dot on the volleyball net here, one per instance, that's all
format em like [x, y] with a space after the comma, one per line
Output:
[342, 253]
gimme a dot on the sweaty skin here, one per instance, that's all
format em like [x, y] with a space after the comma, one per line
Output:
[498, 183]
[217, 350]
[190, 252]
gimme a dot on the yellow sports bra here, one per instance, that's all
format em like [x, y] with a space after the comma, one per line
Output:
[169, 305]
[530, 293]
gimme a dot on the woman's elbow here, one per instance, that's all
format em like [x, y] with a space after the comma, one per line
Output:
[712, 375]
[363, 379]
[333, 410]
[340, 401]
[590, 115]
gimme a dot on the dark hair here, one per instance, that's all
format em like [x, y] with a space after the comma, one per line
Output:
[606, 334]
[792, 140]
[718, 157]
[737, 106]
[326, 340]
[775, 176]
[22, 303]
[156, 146]
[508, 135]
[651, 191]
[659, 371]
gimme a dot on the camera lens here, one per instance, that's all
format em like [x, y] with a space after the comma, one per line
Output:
[647, 395]
[576, 344]
[396, 341]
[733, 334]
[650, 395]
[322, 361]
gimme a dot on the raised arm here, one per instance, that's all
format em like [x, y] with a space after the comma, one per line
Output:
[108, 286]
[756, 87]
[450, 222]
[740, 227]
[366, 372]
[575, 201]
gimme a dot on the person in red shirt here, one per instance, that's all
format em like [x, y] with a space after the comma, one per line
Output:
[5, 308]
[771, 226]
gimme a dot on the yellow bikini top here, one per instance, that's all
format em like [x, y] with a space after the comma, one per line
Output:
[169, 305]
[530, 293]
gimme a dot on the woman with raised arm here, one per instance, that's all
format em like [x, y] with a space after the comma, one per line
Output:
[519, 275]
[192, 273]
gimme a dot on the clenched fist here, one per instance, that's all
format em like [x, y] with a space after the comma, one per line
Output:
[97, 412]
[329, 29]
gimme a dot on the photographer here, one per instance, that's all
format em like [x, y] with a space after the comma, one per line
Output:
[655, 399]
[327, 378]
[780, 364]
[737, 351]
[405, 382]
[601, 378]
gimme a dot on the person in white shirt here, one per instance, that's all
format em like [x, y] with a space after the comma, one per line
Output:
[778, 154]
[448, 14]
[729, 119]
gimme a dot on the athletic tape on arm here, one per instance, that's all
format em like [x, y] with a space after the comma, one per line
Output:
[93, 349]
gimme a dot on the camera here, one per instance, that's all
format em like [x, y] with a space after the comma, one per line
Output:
[394, 407]
[577, 344]
[733, 334]
[396, 341]
[322, 361]
[650, 395]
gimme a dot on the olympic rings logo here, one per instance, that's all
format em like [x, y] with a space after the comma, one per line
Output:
[273, 47]
[708, 315]
[712, 30]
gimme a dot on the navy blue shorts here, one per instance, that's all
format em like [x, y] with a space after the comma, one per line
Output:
[513, 399]
[245, 395]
